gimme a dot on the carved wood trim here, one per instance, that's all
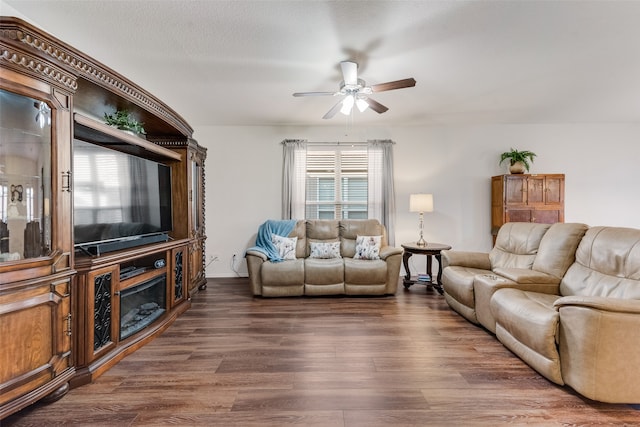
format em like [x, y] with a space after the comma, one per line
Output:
[35, 66]
[16, 30]
[173, 143]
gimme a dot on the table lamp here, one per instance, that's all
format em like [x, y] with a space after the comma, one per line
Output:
[421, 203]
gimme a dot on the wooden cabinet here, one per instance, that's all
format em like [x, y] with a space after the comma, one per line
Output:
[189, 204]
[36, 251]
[124, 299]
[526, 198]
[35, 340]
[58, 327]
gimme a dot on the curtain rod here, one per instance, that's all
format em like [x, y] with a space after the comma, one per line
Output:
[339, 142]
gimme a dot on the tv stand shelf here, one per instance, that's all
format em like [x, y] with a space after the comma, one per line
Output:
[98, 249]
[99, 133]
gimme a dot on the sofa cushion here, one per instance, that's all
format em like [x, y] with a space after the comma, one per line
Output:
[367, 247]
[517, 245]
[284, 273]
[351, 229]
[286, 246]
[557, 248]
[324, 250]
[323, 229]
[323, 271]
[607, 264]
[363, 272]
[458, 287]
[527, 324]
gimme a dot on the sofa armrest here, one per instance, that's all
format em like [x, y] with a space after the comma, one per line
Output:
[599, 354]
[527, 276]
[478, 260]
[255, 259]
[257, 254]
[387, 251]
[614, 305]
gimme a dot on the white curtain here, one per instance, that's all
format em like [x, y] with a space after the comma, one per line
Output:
[382, 197]
[381, 192]
[293, 178]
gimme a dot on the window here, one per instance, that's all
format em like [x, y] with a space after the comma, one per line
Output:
[339, 181]
[336, 184]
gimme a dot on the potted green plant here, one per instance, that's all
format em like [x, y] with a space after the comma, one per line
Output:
[518, 160]
[123, 120]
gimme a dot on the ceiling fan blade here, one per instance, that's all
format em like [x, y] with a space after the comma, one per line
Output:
[332, 112]
[376, 106]
[313, 93]
[349, 72]
[398, 84]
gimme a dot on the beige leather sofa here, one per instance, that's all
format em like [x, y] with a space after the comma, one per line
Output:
[570, 308]
[526, 255]
[333, 276]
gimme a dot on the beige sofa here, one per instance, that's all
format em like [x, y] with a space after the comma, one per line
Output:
[582, 331]
[526, 255]
[345, 275]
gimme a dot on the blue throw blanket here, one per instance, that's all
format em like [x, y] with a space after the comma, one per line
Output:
[263, 239]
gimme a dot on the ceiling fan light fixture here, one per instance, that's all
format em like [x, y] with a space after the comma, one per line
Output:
[347, 105]
[356, 92]
[361, 104]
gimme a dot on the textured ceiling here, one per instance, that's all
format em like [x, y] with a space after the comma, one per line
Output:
[475, 62]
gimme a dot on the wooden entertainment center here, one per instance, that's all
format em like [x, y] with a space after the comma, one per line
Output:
[68, 311]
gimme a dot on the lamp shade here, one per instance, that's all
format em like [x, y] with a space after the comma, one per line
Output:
[361, 104]
[421, 203]
[347, 105]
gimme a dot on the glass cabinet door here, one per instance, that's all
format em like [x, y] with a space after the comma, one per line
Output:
[196, 188]
[25, 177]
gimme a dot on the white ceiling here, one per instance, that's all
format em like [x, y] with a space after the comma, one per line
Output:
[475, 62]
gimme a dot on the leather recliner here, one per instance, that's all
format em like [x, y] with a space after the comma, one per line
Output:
[587, 334]
[515, 250]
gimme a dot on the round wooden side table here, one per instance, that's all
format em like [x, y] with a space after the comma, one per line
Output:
[430, 250]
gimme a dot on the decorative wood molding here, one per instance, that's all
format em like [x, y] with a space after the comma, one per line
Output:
[172, 143]
[35, 66]
[20, 32]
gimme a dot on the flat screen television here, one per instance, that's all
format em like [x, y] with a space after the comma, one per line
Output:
[118, 196]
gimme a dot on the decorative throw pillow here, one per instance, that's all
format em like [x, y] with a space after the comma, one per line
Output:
[324, 250]
[286, 246]
[367, 247]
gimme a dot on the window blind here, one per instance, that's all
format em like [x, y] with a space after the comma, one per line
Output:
[336, 182]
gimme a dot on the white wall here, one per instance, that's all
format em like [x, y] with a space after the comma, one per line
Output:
[244, 173]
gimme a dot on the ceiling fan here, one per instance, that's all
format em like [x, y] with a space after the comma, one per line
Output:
[356, 92]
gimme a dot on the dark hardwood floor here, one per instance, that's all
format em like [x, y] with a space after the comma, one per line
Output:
[404, 360]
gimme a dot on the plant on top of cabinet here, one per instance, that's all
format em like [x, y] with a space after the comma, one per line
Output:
[123, 120]
[519, 160]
